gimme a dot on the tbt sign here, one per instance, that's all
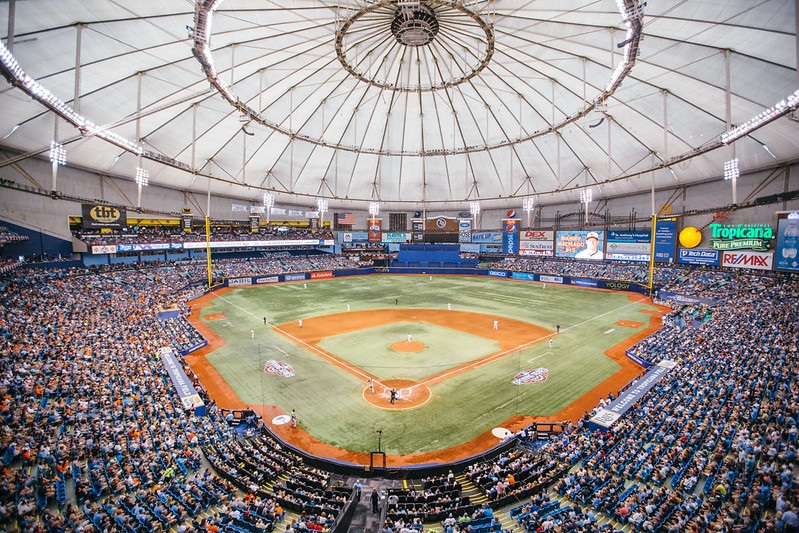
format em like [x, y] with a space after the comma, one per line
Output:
[102, 216]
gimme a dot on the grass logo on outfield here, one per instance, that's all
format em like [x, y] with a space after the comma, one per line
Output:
[535, 375]
[279, 368]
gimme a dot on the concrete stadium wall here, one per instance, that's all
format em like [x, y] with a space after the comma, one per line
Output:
[50, 215]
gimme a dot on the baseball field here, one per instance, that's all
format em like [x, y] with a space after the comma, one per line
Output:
[464, 355]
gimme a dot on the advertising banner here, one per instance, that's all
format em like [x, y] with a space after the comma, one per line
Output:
[441, 224]
[104, 249]
[375, 233]
[629, 236]
[239, 282]
[353, 236]
[537, 242]
[581, 282]
[550, 279]
[465, 230]
[258, 244]
[510, 236]
[696, 256]
[740, 236]
[641, 258]
[149, 246]
[396, 237]
[267, 279]
[580, 244]
[102, 216]
[665, 240]
[742, 259]
[186, 220]
[685, 299]
[486, 237]
[523, 275]
[294, 277]
[186, 391]
[607, 416]
[628, 245]
[322, 275]
[539, 253]
[498, 273]
[788, 242]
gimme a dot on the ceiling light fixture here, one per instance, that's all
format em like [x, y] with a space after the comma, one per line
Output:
[374, 209]
[142, 177]
[58, 154]
[474, 209]
[731, 171]
[783, 107]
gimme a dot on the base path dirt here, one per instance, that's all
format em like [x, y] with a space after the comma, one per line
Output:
[509, 334]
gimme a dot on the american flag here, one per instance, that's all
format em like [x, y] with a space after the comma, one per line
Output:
[345, 219]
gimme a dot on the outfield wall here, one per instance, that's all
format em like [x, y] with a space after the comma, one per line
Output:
[627, 286]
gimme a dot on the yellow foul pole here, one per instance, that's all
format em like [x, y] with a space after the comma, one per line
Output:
[652, 254]
[208, 247]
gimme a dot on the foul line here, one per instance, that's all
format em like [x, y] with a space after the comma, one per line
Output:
[540, 356]
[505, 353]
[330, 357]
[439, 377]
[281, 351]
[240, 307]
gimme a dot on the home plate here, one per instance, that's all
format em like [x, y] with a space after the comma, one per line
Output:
[501, 433]
[281, 420]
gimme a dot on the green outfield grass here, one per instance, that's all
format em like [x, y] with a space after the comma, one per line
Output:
[329, 401]
[444, 349]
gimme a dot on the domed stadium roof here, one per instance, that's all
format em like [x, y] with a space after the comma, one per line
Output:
[438, 102]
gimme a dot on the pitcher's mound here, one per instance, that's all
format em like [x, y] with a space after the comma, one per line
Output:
[407, 347]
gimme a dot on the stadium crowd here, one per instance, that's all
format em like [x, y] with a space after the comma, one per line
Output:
[87, 408]
[174, 234]
[6, 235]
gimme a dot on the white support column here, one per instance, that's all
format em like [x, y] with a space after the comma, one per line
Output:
[728, 117]
[139, 169]
[54, 161]
[12, 12]
[666, 125]
[652, 176]
[76, 96]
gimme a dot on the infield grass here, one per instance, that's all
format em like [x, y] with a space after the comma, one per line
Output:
[329, 401]
[370, 349]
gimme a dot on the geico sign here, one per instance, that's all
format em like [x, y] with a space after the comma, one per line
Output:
[758, 261]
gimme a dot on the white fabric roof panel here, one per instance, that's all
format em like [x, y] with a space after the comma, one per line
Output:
[459, 105]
